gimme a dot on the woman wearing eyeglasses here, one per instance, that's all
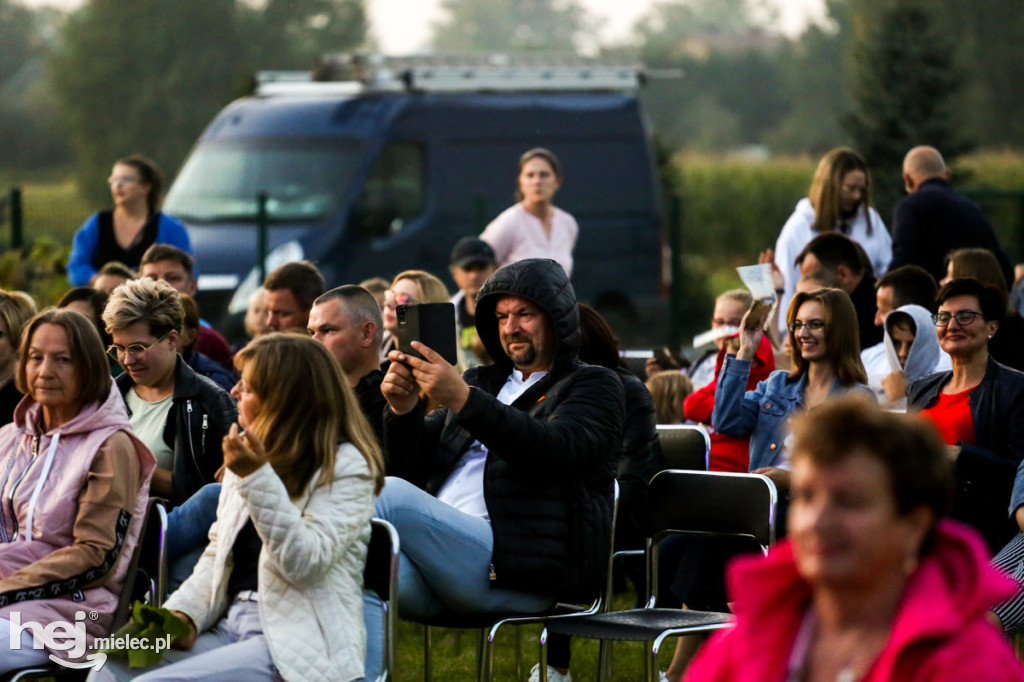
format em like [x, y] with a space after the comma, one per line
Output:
[839, 199]
[825, 361]
[135, 223]
[408, 288]
[74, 484]
[179, 414]
[978, 409]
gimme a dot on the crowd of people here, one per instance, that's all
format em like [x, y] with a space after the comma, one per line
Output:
[884, 407]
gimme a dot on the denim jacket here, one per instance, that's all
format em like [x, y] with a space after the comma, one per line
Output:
[762, 413]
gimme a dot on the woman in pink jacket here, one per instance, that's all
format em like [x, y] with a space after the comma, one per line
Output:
[74, 485]
[871, 585]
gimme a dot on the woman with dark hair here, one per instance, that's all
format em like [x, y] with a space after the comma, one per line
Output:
[534, 227]
[978, 409]
[74, 485]
[278, 591]
[871, 584]
[135, 223]
[839, 199]
[16, 308]
[825, 361]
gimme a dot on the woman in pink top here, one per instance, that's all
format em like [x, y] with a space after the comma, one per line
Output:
[870, 585]
[535, 227]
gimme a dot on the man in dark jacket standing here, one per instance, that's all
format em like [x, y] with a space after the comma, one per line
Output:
[503, 495]
[933, 219]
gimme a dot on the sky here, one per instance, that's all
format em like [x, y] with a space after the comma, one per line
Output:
[402, 27]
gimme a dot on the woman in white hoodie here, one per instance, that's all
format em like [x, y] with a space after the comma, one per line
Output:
[839, 199]
[912, 349]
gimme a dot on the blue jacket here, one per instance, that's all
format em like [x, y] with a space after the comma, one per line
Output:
[80, 269]
[762, 413]
[984, 468]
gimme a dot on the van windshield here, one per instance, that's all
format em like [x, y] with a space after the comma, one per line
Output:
[303, 179]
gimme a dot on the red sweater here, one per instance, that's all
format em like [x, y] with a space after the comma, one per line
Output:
[728, 453]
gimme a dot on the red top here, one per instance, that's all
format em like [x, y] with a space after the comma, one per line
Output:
[951, 416]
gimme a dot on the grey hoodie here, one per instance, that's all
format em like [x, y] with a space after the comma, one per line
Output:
[925, 352]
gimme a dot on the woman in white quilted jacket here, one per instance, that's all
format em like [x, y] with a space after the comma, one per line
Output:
[278, 592]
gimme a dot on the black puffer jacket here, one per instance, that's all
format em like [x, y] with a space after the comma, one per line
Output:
[201, 414]
[551, 454]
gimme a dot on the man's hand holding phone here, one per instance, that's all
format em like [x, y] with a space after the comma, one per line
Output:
[431, 373]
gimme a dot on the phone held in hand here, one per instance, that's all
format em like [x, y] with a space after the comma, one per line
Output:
[432, 324]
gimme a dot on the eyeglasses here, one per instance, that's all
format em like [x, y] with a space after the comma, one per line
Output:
[811, 325]
[963, 318]
[122, 181]
[392, 299]
[116, 352]
[854, 189]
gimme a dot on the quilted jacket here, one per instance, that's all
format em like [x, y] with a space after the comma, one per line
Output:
[551, 453]
[310, 567]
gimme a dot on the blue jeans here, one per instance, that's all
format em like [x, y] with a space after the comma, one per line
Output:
[188, 529]
[444, 563]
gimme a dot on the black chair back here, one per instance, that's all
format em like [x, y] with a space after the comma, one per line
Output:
[684, 446]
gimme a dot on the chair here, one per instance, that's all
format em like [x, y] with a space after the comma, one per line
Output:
[492, 622]
[381, 576]
[684, 446]
[695, 503]
[146, 580]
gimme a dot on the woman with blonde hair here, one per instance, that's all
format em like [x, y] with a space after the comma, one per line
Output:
[16, 308]
[407, 288]
[278, 590]
[839, 199]
[669, 389]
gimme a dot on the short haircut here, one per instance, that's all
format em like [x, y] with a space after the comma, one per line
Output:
[144, 300]
[739, 295]
[302, 278]
[991, 300]
[981, 264]
[116, 267]
[16, 308]
[910, 449]
[161, 252]
[833, 249]
[150, 175]
[910, 284]
[359, 304]
[87, 353]
[842, 336]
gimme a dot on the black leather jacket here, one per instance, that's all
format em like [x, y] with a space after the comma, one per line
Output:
[199, 419]
[551, 454]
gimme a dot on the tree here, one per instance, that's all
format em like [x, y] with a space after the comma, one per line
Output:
[905, 85]
[291, 34]
[511, 26]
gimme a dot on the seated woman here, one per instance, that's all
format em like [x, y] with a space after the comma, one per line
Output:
[179, 414]
[871, 585]
[408, 288]
[73, 479]
[669, 389]
[16, 308]
[913, 352]
[278, 591]
[978, 409]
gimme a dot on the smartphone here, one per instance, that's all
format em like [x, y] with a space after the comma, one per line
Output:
[432, 324]
[758, 311]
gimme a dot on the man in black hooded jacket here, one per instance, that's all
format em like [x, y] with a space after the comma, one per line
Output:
[503, 496]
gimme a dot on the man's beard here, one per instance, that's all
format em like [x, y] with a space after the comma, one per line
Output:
[523, 358]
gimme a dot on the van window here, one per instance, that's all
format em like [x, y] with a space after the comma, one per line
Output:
[393, 193]
[305, 179]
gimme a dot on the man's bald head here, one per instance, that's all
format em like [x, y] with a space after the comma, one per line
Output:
[923, 163]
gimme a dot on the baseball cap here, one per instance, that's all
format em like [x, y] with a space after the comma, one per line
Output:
[472, 250]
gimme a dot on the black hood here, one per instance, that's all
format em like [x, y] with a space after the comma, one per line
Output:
[544, 282]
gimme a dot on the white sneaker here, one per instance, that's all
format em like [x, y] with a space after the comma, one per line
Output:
[662, 677]
[553, 675]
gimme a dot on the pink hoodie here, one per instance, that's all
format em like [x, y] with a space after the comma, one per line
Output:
[940, 633]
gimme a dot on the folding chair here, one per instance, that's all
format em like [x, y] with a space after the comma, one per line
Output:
[684, 446]
[695, 503]
[492, 622]
[381, 576]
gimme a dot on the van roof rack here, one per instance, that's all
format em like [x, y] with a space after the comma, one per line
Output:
[348, 74]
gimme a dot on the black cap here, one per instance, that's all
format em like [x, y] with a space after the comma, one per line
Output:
[472, 250]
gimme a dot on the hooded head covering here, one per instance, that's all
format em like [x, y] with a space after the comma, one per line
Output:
[544, 282]
[924, 351]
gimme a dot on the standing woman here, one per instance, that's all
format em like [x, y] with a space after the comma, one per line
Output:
[74, 485]
[278, 591]
[839, 199]
[16, 308]
[135, 224]
[535, 227]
